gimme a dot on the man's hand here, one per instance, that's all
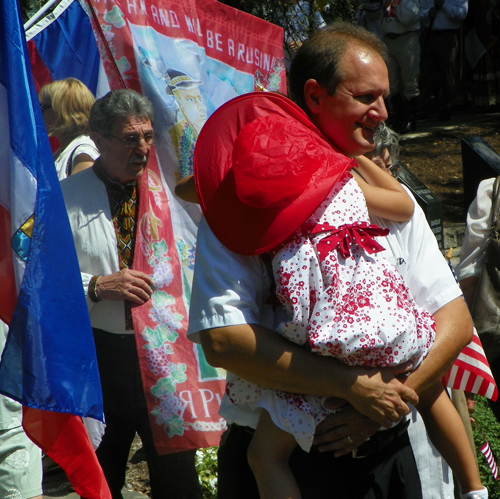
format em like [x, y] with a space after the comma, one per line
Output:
[127, 284]
[265, 358]
[343, 431]
[379, 395]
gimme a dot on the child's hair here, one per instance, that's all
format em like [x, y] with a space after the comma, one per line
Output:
[71, 102]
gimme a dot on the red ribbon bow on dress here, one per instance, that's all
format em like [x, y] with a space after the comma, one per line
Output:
[341, 238]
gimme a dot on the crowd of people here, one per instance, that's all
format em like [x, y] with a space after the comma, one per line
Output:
[318, 285]
[441, 52]
[422, 37]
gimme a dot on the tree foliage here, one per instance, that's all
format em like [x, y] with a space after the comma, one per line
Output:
[337, 10]
[299, 18]
[30, 7]
[266, 9]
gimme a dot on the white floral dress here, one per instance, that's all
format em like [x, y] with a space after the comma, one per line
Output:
[344, 301]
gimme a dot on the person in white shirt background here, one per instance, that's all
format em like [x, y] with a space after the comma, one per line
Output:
[66, 107]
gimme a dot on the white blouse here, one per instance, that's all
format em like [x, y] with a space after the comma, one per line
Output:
[80, 145]
[477, 232]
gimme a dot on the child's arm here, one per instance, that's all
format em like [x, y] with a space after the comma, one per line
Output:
[384, 195]
[186, 190]
[447, 433]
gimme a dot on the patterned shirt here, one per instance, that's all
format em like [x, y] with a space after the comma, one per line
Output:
[123, 201]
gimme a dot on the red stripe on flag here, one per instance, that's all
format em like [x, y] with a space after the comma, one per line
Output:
[473, 354]
[63, 438]
[469, 386]
[8, 291]
[459, 376]
[485, 386]
[41, 75]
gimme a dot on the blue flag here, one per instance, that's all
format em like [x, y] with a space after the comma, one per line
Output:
[49, 359]
[66, 44]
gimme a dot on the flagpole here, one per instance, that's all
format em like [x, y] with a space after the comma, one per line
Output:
[32, 20]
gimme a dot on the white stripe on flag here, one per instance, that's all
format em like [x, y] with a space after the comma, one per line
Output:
[48, 20]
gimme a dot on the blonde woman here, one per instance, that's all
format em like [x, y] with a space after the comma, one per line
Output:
[66, 107]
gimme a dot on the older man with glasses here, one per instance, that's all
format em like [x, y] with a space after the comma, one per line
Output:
[102, 204]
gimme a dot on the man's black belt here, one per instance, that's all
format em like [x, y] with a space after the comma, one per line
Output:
[380, 440]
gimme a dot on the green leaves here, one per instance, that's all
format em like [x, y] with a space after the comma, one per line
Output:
[158, 336]
[161, 300]
[167, 385]
[160, 250]
[206, 466]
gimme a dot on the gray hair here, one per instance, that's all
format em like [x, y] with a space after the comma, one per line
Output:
[386, 138]
[118, 104]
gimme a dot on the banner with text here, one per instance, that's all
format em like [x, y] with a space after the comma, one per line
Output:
[188, 57]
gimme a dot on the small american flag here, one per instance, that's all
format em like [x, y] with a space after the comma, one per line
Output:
[490, 458]
[471, 371]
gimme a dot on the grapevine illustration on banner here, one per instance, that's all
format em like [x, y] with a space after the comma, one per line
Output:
[188, 57]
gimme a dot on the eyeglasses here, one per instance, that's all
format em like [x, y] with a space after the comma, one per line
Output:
[134, 140]
[43, 107]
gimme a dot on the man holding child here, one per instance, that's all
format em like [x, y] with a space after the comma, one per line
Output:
[339, 78]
